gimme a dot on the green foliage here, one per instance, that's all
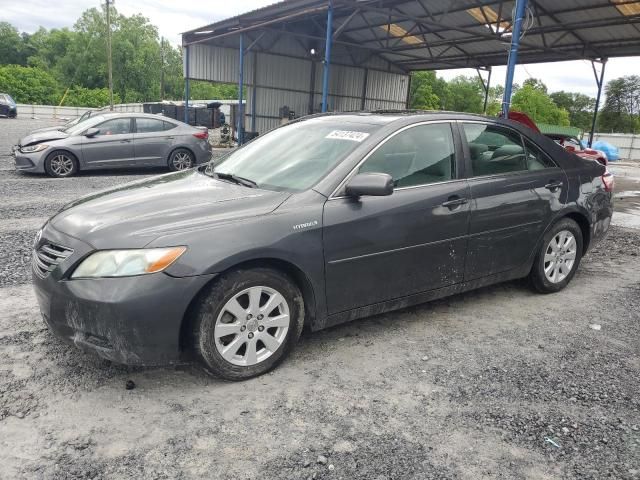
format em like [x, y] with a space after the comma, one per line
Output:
[29, 84]
[579, 106]
[532, 99]
[88, 97]
[464, 94]
[621, 112]
[212, 91]
[422, 96]
[11, 51]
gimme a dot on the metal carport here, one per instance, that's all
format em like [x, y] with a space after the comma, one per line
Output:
[367, 48]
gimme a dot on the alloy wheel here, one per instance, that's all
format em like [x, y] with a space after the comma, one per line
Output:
[252, 326]
[560, 256]
[181, 160]
[61, 165]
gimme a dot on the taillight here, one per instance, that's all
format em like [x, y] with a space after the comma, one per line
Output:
[608, 181]
[203, 135]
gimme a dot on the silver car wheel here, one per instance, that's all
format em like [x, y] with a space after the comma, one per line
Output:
[252, 326]
[61, 165]
[560, 256]
[181, 160]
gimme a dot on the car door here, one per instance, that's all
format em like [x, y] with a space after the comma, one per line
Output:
[515, 188]
[382, 248]
[112, 146]
[152, 141]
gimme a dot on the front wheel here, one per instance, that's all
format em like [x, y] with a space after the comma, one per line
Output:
[61, 164]
[558, 258]
[247, 323]
[181, 159]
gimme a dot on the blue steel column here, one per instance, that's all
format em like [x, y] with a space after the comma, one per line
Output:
[186, 85]
[240, 127]
[327, 58]
[513, 56]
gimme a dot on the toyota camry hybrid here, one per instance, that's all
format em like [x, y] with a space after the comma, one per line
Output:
[321, 221]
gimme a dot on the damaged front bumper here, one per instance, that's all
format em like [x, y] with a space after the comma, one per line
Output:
[128, 320]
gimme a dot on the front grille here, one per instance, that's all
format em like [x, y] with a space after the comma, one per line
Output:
[47, 256]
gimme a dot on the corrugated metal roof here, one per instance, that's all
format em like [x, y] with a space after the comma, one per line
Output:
[440, 34]
[548, 129]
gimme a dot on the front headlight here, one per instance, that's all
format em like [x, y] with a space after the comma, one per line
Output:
[125, 263]
[34, 148]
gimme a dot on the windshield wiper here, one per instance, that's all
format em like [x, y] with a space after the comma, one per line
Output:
[236, 179]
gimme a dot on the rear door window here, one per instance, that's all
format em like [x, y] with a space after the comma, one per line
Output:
[149, 125]
[536, 159]
[419, 155]
[494, 150]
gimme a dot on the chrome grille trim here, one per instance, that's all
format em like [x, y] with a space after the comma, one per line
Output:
[48, 256]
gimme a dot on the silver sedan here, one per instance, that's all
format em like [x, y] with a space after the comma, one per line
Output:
[113, 140]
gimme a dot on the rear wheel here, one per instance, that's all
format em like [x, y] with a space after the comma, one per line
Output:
[247, 323]
[558, 258]
[181, 159]
[60, 164]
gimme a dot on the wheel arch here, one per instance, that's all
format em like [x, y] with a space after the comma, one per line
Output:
[293, 271]
[583, 222]
[181, 147]
[74, 155]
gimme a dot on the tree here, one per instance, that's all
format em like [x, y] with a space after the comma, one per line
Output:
[11, 46]
[464, 94]
[29, 84]
[579, 106]
[421, 95]
[532, 99]
[621, 112]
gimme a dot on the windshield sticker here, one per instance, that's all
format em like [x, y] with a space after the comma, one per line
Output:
[348, 135]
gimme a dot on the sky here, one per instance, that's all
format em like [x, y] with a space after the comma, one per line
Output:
[173, 17]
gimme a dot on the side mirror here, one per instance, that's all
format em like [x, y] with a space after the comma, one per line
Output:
[370, 184]
[91, 132]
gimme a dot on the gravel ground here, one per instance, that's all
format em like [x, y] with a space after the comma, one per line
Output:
[497, 383]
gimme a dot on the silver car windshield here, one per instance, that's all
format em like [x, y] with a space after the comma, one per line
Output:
[82, 126]
[295, 157]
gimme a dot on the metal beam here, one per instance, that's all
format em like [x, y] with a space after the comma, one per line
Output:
[186, 84]
[327, 58]
[599, 81]
[513, 56]
[240, 127]
[485, 86]
[344, 25]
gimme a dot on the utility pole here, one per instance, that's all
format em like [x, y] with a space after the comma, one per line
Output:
[161, 68]
[109, 65]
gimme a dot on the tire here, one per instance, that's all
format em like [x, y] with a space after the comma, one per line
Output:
[558, 258]
[181, 159]
[61, 164]
[230, 356]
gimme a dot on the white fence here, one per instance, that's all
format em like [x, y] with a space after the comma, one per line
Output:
[51, 111]
[627, 143]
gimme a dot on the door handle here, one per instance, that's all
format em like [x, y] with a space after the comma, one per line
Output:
[553, 185]
[454, 202]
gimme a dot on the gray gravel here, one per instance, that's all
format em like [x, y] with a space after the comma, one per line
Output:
[497, 383]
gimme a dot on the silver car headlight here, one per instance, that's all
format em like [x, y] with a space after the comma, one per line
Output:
[34, 148]
[126, 263]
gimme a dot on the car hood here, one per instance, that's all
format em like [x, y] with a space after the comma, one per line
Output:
[42, 136]
[134, 214]
[59, 128]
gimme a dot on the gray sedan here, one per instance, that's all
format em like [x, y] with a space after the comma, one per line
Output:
[113, 140]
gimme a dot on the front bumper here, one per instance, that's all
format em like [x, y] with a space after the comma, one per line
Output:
[129, 320]
[28, 162]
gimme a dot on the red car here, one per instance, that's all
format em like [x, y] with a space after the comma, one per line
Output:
[569, 142]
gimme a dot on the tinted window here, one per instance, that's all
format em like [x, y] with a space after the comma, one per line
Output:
[147, 125]
[296, 156]
[417, 156]
[116, 126]
[536, 158]
[494, 149]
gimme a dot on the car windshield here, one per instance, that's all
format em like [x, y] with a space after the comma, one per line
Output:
[80, 126]
[9, 99]
[295, 157]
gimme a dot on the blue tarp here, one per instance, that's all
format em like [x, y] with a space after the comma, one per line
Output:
[610, 150]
